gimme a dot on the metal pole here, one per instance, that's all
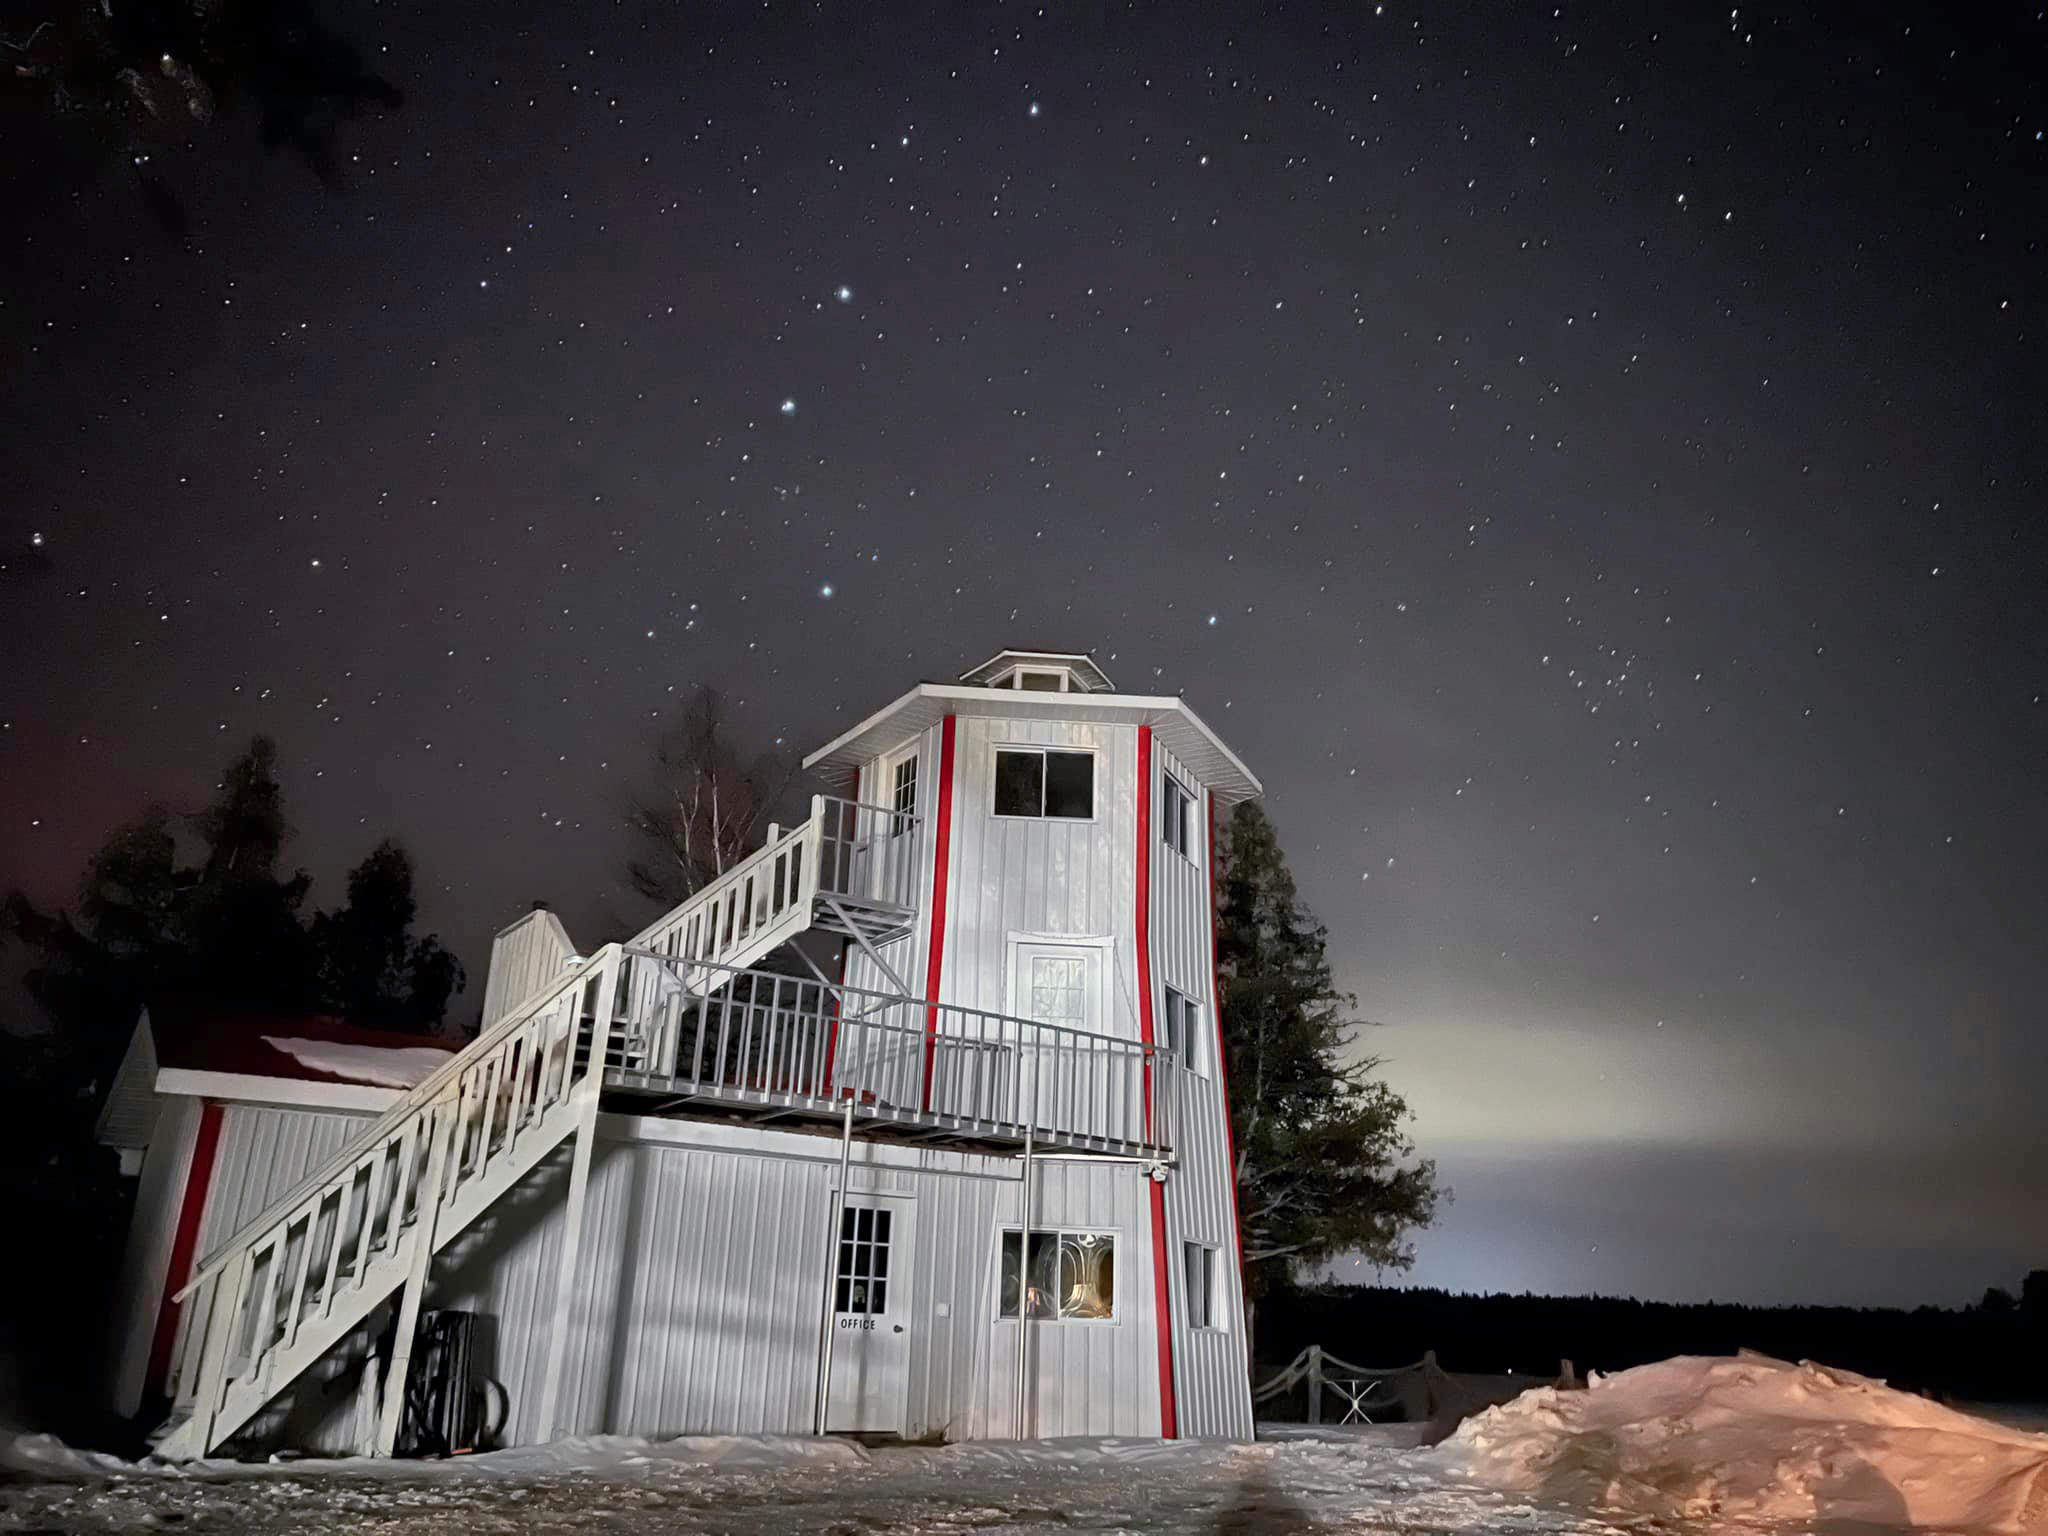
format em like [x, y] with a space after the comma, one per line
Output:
[832, 1272]
[1024, 1291]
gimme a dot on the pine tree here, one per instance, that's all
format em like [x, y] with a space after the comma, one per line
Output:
[1324, 1165]
[372, 970]
[244, 940]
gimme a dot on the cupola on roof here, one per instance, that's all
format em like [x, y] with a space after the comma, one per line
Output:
[1040, 672]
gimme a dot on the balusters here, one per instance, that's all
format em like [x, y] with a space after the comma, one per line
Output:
[292, 1313]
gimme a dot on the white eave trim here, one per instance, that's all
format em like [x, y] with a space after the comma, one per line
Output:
[296, 1092]
[1224, 772]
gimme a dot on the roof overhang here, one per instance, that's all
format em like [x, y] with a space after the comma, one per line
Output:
[1219, 769]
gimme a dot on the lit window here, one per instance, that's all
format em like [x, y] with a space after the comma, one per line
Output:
[1204, 1268]
[1072, 1276]
[1045, 784]
[1181, 1029]
[1177, 818]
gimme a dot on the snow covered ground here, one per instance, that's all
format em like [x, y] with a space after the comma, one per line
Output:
[1683, 1446]
[801, 1488]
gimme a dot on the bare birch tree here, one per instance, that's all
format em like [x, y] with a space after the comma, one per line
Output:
[709, 803]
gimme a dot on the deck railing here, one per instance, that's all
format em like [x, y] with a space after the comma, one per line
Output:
[868, 853]
[757, 1038]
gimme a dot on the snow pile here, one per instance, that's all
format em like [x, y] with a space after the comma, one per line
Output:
[1754, 1440]
[381, 1066]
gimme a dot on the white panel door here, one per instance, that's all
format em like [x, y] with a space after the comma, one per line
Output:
[871, 1314]
[1063, 984]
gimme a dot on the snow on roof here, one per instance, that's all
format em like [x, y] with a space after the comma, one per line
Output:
[305, 1047]
[380, 1066]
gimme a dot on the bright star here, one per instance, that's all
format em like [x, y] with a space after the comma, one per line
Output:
[825, 590]
[1034, 109]
[843, 294]
[789, 407]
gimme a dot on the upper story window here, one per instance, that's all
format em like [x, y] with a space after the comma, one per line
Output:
[903, 794]
[1177, 818]
[1034, 782]
[1181, 1030]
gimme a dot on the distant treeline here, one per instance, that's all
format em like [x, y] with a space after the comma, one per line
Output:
[1996, 1351]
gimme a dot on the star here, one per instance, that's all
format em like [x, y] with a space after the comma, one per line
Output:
[788, 407]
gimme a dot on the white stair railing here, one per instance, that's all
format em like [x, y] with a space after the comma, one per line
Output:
[761, 902]
[290, 1285]
[305, 1274]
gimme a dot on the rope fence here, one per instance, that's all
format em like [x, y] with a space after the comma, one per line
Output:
[1364, 1394]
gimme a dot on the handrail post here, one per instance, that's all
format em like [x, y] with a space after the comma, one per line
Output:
[224, 1302]
[1023, 1385]
[426, 1212]
[586, 1093]
[829, 1307]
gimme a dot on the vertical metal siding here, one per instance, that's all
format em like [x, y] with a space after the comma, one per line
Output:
[263, 1153]
[1211, 1369]
[1042, 877]
[695, 1302]
[1093, 1378]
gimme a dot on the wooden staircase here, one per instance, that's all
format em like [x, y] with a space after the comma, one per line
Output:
[290, 1286]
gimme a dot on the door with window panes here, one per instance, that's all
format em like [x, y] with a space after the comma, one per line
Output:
[871, 1319]
[1056, 1074]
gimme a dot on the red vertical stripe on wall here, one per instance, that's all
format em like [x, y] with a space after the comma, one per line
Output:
[1162, 1294]
[942, 859]
[184, 1243]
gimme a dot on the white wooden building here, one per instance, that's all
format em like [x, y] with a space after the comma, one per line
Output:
[687, 1194]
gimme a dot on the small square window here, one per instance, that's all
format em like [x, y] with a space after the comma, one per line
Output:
[1050, 784]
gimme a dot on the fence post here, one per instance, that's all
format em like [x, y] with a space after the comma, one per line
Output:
[1315, 1383]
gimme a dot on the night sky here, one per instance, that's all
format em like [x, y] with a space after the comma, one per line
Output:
[1589, 462]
